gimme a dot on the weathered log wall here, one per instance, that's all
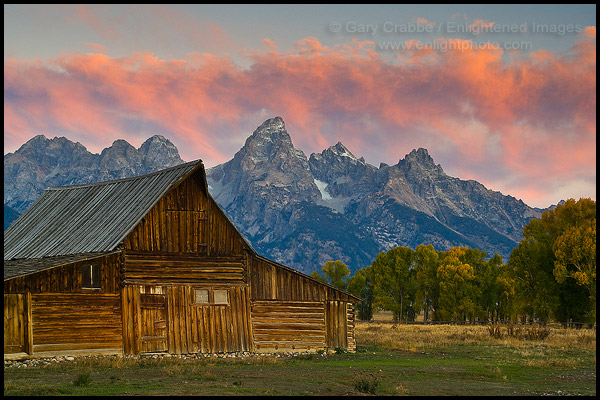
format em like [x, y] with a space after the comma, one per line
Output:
[70, 321]
[51, 311]
[158, 269]
[288, 326]
[291, 311]
[76, 321]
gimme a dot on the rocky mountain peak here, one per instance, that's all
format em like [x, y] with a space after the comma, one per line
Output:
[121, 145]
[120, 160]
[36, 142]
[337, 161]
[41, 144]
[38, 138]
[419, 155]
[275, 123]
[420, 159]
[267, 175]
[341, 150]
[272, 130]
[49, 153]
[119, 148]
[270, 144]
[154, 141]
[159, 152]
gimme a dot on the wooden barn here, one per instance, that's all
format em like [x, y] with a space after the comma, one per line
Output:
[152, 264]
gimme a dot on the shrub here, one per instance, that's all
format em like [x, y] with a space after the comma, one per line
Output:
[494, 331]
[533, 332]
[82, 380]
[366, 383]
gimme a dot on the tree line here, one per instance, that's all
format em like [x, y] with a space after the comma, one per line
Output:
[551, 275]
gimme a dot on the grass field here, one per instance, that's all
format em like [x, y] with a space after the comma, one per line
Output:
[390, 360]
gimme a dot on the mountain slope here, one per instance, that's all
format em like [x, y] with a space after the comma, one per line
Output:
[416, 189]
[10, 214]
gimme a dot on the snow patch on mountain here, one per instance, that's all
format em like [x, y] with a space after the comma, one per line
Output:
[322, 186]
[337, 204]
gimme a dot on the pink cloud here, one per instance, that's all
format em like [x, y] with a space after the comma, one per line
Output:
[424, 21]
[589, 31]
[269, 44]
[481, 24]
[531, 118]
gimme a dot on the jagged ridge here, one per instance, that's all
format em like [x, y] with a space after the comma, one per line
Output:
[409, 203]
[41, 163]
[301, 211]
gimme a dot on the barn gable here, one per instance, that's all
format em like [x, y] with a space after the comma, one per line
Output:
[180, 223]
[157, 254]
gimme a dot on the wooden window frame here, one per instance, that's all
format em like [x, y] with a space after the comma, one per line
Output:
[94, 282]
[201, 303]
[211, 297]
[226, 302]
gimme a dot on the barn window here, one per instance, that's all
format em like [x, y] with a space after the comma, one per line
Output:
[90, 277]
[221, 296]
[201, 296]
[205, 297]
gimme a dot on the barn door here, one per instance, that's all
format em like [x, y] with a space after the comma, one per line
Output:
[153, 319]
[14, 323]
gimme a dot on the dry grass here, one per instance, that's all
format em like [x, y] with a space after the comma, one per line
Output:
[568, 338]
[558, 363]
[171, 367]
[418, 337]
[383, 332]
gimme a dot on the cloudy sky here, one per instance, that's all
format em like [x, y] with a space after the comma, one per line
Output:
[503, 94]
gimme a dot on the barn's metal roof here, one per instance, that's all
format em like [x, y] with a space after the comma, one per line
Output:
[25, 266]
[89, 218]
